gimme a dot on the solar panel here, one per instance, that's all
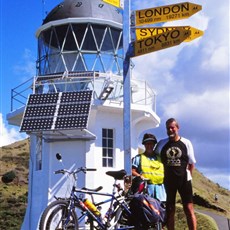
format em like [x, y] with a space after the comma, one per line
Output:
[64, 110]
[76, 96]
[41, 110]
[71, 122]
[47, 98]
[37, 124]
[48, 77]
[71, 109]
[74, 110]
[85, 74]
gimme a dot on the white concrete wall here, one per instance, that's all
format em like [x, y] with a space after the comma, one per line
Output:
[44, 184]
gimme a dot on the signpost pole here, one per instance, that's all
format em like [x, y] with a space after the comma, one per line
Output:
[126, 88]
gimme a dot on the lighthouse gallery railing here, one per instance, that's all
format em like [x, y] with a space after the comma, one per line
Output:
[141, 92]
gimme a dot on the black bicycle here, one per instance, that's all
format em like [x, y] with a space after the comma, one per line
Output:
[76, 212]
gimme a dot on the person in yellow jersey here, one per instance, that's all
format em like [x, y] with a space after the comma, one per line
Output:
[148, 165]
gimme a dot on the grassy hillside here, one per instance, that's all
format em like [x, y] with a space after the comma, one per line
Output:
[13, 196]
[204, 192]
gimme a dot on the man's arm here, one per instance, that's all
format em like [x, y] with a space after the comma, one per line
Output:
[191, 167]
[190, 150]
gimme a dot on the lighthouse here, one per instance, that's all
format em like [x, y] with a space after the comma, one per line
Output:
[75, 103]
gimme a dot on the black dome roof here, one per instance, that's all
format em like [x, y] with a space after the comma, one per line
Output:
[84, 8]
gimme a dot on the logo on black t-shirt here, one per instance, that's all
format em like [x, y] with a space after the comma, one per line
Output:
[173, 156]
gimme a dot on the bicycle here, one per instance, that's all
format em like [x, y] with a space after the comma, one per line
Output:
[73, 212]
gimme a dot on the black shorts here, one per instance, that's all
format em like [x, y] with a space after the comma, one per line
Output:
[180, 184]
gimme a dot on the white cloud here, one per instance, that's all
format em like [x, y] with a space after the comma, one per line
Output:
[216, 39]
[27, 66]
[207, 108]
[8, 136]
[156, 68]
[218, 58]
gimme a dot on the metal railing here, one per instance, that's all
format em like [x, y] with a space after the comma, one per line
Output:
[141, 92]
[20, 94]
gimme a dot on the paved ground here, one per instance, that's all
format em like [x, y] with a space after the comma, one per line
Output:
[222, 222]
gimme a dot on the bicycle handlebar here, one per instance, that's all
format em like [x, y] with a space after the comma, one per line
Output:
[81, 169]
[60, 171]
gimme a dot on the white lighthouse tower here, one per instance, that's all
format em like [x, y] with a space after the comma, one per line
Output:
[75, 106]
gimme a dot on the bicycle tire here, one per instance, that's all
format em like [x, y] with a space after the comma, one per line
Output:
[121, 219]
[56, 214]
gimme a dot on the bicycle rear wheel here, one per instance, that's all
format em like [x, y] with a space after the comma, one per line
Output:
[121, 220]
[58, 216]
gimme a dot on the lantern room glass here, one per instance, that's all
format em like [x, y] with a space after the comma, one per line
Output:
[80, 47]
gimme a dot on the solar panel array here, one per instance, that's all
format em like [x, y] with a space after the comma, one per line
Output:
[54, 111]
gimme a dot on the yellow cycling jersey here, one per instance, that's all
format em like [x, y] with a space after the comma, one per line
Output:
[152, 169]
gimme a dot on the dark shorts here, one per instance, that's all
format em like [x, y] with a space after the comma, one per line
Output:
[181, 185]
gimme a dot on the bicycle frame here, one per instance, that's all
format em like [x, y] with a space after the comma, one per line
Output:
[119, 200]
[119, 204]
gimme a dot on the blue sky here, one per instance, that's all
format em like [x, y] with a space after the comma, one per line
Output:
[191, 80]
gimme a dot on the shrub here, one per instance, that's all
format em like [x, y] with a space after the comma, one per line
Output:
[8, 177]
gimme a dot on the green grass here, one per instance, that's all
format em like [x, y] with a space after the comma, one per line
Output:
[13, 202]
[204, 222]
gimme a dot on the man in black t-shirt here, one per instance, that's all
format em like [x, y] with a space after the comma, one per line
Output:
[177, 155]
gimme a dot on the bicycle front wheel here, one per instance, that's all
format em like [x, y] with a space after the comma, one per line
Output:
[58, 216]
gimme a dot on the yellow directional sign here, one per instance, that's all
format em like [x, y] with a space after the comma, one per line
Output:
[115, 3]
[166, 13]
[160, 41]
[145, 32]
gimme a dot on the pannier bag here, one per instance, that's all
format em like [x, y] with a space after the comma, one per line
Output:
[137, 185]
[145, 211]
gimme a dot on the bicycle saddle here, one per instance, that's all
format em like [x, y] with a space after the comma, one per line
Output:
[117, 175]
[93, 190]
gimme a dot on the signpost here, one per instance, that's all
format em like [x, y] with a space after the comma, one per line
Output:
[161, 41]
[116, 3]
[149, 40]
[165, 13]
[142, 33]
